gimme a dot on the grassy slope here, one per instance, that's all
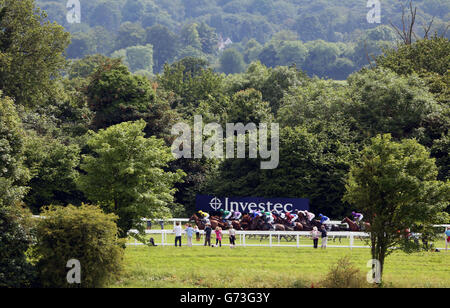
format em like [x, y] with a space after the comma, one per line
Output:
[269, 267]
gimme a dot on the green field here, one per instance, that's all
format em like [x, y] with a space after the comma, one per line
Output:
[261, 267]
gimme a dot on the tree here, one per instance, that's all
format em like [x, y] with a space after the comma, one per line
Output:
[13, 174]
[81, 46]
[269, 55]
[248, 107]
[190, 37]
[427, 55]
[164, 45]
[126, 174]
[293, 52]
[208, 38]
[31, 52]
[133, 11]
[16, 271]
[112, 89]
[192, 83]
[106, 14]
[231, 62]
[130, 34]
[321, 55]
[384, 102]
[394, 184]
[136, 58]
[52, 165]
[85, 234]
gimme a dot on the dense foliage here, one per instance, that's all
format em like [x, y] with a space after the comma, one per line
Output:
[325, 38]
[82, 233]
[16, 271]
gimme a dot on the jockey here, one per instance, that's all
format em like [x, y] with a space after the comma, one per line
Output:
[310, 216]
[324, 219]
[294, 217]
[275, 213]
[270, 218]
[236, 215]
[267, 216]
[204, 216]
[289, 216]
[357, 217]
[227, 215]
[253, 214]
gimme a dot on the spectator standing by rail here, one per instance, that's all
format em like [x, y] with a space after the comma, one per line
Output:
[315, 236]
[208, 231]
[177, 230]
[189, 233]
[161, 223]
[324, 232]
[197, 233]
[232, 233]
[447, 240]
[219, 236]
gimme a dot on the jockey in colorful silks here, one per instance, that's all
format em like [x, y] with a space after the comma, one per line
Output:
[310, 216]
[227, 215]
[289, 216]
[204, 216]
[294, 217]
[357, 217]
[323, 219]
[236, 215]
[254, 214]
[268, 217]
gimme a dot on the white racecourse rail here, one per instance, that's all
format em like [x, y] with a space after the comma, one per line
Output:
[274, 238]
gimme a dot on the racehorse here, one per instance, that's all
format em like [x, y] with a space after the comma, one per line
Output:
[354, 226]
[198, 222]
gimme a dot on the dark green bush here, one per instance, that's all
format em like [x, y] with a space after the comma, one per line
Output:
[83, 233]
[15, 239]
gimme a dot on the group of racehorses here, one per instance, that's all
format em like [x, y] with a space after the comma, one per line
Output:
[280, 224]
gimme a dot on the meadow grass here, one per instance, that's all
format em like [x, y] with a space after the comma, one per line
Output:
[262, 267]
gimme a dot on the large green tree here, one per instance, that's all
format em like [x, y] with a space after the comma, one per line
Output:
[126, 174]
[53, 171]
[394, 184]
[31, 52]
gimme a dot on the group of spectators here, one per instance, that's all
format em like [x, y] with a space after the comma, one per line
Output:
[190, 231]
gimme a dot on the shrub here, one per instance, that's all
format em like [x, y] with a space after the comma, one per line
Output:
[15, 239]
[83, 233]
[344, 275]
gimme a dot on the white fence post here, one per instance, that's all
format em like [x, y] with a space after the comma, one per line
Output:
[270, 240]
[298, 241]
[351, 241]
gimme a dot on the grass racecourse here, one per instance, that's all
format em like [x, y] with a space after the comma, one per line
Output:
[277, 267]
